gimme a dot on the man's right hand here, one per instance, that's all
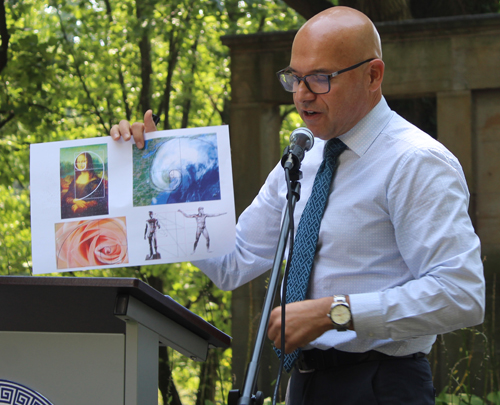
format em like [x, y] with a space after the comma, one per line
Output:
[137, 130]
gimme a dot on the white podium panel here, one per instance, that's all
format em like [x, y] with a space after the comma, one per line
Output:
[66, 368]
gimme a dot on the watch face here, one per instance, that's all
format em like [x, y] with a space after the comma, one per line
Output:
[340, 314]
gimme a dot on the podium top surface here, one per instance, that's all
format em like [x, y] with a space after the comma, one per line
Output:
[87, 305]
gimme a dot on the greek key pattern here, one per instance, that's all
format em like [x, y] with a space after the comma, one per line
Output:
[12, 393]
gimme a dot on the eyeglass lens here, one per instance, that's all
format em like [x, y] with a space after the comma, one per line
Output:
[317, 83]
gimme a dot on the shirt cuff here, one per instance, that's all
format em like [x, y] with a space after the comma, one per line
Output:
[367, 316]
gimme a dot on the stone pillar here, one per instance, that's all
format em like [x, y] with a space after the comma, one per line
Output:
[454, 124]
[255, 152]
[254, 126]
[487, 152]
[454, 130]
[255, 147]
[469, 125]
[486, 107]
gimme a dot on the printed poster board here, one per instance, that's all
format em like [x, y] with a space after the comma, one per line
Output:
[99, 203]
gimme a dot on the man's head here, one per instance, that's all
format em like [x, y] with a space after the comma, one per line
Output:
[333, 40]
[150, 214]
[200, 210]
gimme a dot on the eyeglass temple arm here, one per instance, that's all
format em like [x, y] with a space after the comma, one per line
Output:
[351, 67]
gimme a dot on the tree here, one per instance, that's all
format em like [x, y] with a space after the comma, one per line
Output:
[72, 69]
[4, 36]
[393, 10]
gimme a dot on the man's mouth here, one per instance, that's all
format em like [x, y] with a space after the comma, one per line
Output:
[309, 113]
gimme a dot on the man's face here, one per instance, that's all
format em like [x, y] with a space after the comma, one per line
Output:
[336, 112]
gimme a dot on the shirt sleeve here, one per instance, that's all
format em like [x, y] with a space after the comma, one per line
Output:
[257, 233]
[428, 205]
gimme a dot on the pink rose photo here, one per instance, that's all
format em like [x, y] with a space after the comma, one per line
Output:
[100, 242]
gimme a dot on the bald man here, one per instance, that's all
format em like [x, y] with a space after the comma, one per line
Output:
[397, 260]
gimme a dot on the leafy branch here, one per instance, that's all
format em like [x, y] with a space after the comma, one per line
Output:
[76, 63]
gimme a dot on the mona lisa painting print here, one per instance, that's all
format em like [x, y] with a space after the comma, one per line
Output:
[84, 185]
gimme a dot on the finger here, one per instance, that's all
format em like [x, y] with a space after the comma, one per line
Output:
[138, 134]
[274, 326]
[124, 130]
[276, 338]
[115, 132]
[149, 124]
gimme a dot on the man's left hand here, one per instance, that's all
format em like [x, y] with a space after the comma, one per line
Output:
[305, 321]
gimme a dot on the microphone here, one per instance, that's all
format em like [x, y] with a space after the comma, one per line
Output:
[301, 140]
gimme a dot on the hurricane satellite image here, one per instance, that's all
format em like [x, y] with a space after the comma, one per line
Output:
[176, 170]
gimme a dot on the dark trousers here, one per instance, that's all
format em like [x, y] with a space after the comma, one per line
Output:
[379, 381]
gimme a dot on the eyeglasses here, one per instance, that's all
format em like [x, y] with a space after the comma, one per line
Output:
[316, 83]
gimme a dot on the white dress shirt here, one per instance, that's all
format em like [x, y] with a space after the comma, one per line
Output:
[396, 237]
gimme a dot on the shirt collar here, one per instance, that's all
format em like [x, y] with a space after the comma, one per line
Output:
[363, 134]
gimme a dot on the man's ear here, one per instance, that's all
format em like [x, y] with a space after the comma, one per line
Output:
[376, 72]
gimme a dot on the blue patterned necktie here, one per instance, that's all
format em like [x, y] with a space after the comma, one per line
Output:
[306, 238]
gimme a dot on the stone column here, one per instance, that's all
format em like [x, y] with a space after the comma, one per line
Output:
[254, 126]
[454, 124]
[255, 152]
[487, 150]
[486, 107]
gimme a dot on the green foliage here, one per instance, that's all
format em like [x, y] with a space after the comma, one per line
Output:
[469, 358]
[290, 120]
[75, 68]
[15, 248]
[445, 398]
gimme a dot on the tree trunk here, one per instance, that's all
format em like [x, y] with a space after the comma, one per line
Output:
[173, 53]
[377, 10]
[396, 10]
[143, 11]
[208, 379]
[165, 382]
[443, 8]
[4, 37]
[188, 87]
[307, 9]
[381, 10]
[121, 79]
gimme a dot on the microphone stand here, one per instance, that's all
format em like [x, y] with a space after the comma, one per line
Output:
[247, 395]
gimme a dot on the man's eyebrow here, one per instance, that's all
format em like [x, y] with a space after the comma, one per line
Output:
[315, 71]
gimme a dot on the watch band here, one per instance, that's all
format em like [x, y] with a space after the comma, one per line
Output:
[340, 299]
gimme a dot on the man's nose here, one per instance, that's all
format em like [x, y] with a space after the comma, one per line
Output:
[303, 93]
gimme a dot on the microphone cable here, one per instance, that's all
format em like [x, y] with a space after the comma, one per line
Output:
[291, 227]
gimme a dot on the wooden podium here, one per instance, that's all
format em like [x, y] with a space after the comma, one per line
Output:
[83, 340]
